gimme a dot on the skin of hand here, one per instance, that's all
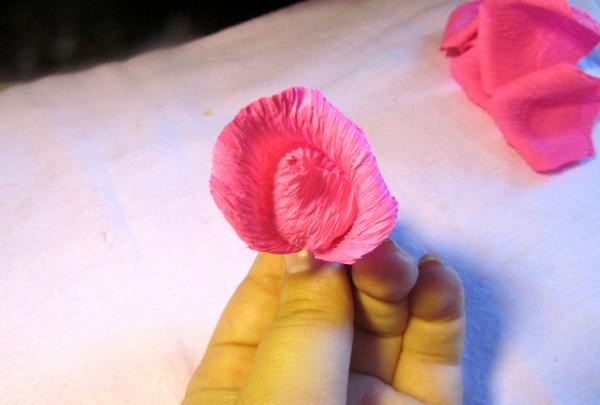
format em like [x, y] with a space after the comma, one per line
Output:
[385, 331]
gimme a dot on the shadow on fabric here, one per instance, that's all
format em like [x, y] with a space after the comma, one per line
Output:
[485, 314]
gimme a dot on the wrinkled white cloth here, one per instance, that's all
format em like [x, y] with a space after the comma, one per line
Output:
[115, 262]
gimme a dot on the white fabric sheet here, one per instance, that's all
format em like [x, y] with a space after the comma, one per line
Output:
[115, 263]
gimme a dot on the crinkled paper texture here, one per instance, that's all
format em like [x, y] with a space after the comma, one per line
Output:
[517, 60]
[291, 172]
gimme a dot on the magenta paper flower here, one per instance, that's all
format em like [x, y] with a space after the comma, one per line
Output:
[517, 60]
[291, 172]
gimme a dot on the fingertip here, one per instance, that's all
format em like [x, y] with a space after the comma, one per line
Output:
[269, 266]
[430, 257]
[438, 293]
[387, 273]
[300, 261]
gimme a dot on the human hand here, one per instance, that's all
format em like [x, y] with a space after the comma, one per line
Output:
[385, 331]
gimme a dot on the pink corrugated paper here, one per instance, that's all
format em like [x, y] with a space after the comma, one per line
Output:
[291, 172]
[517, 60]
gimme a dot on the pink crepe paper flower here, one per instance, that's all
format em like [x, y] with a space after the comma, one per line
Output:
[291, 172]
[517, 60]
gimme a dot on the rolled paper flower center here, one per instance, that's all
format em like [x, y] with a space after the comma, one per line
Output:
[314, 202]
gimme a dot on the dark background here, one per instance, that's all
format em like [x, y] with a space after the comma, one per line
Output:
[49, 36]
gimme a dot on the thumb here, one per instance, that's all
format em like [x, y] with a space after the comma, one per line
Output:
[304, 357]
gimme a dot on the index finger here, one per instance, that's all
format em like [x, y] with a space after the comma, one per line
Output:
[231, 349]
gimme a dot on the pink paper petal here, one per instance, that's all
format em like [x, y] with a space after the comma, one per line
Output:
[465, 70]
[461, 28]
[291, 172]
[549, 124]
[517, 37]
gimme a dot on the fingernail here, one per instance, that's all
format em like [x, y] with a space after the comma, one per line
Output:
[399, 251]
[300, 261]
[430, 257]
[391, 242]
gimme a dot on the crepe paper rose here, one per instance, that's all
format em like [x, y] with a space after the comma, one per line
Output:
[291, 172]
[517, 59]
